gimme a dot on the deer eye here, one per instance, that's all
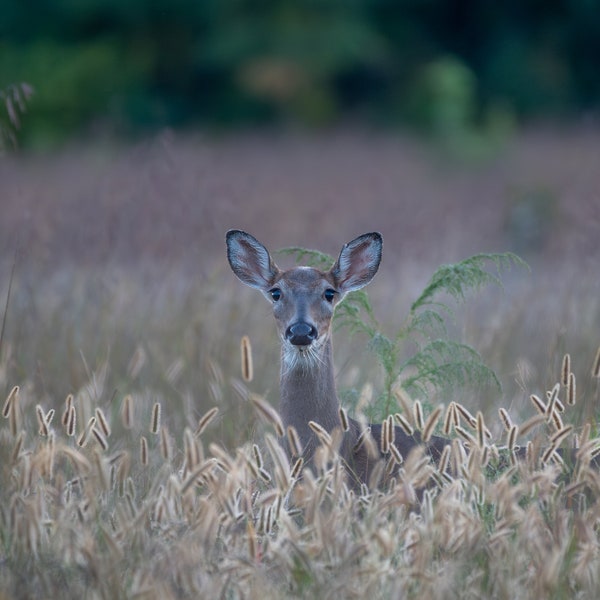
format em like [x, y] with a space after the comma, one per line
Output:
[275, 294]
[329, 295]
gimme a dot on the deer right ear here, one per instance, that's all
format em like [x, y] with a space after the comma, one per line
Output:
[358, 262]
[250, 260]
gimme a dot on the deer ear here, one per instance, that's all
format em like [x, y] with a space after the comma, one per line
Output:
[358, 262]
[250, 260]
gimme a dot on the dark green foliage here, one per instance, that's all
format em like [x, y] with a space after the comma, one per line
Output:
[13, 105]
[455, 70]
[437, 362]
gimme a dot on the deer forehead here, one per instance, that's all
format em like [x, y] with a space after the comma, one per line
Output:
[305, 280]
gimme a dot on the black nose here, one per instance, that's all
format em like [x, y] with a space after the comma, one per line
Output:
[301, 334]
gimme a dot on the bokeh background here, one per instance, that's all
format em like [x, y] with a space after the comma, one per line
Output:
[134, 134]
[131, 67]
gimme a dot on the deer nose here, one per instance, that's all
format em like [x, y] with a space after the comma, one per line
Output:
[301, 334]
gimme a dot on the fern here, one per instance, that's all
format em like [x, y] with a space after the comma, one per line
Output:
[439, 363]
[470, 274]
[445, 364]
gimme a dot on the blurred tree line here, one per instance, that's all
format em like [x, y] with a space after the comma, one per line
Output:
[443, 65]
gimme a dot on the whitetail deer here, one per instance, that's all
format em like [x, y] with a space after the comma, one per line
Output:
[304, 300]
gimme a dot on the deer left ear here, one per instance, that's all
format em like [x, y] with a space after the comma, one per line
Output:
[358, 262]
[250, 260]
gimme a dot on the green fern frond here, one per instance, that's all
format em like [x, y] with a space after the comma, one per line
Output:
[356, 313]
[385, 350]
[427, 322]
[445, 364]
[470, 274]
[449, 376]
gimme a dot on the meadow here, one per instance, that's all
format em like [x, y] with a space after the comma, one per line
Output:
[134, 463]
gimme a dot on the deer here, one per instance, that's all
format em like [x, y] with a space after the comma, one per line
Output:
[304, 300]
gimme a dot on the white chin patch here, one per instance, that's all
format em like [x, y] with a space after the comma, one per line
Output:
[301, 357]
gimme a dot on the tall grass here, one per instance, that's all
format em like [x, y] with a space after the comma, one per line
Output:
[114, 501]
[138, 476]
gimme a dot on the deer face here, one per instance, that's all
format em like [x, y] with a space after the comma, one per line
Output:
[303, 298]
[303, 303]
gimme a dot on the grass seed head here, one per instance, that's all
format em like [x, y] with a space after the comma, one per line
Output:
[102, 422]
[322, 433]
[10, 399]
[513, 433]
[68, 406]
[505, 418]
[571, 390]
[468, 437]
[155, 419]
[41, 419]
[418, 415]
[565, 369]
[431, 423]
[246, 351]
[50, 416]
[83, 438]
[538, 403]
[257, 456]
[549, 453]
[557, 421]
[384, 440]
[531, 423]
[264, 475]
[480, 430]
[165, 444]
[294, 441]
[444, 459]
[361, 439]
[14, 416]
[71, 422]
[448, 419]
[404, 423]
[205, 420]
[553, 397]
[100, 438]
[391, 428]
[344, 419]
[561, 435]
[297, 468]
[396, 454]
[466, 414]
[268, 413]
[143, 450]
[127, 412]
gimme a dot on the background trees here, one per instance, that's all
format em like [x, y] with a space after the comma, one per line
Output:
[436, 64]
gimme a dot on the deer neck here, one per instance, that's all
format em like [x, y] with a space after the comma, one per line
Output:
[308, 393]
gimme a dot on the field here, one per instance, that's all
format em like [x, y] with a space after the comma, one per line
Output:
[118, 480]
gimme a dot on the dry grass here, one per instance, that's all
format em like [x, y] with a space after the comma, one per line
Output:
[119, 477]
[130, 507]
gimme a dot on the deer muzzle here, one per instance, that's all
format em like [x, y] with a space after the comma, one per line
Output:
[301, 334]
